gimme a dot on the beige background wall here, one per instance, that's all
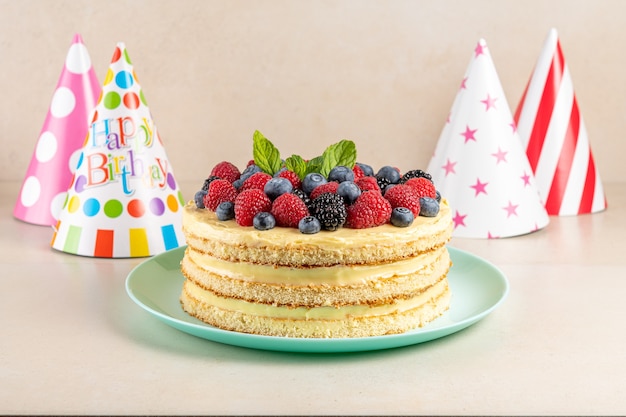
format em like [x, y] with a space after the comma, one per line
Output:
[308, 73]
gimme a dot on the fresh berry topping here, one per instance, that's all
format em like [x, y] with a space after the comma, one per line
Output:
[289, 209]
[208, 181]
[390, 173]
[225, 211]
[430, 207]
[349, 191]
[329, 187]
[415, 173]
[341, 173]
[309, 225]
[264, 221]
[248, 203]
[199, 198]
[371, 209]
[250, 169]
[423, 186]
[218, 192]
[358, 172]
[402, 217]
[292, 177]
[402, 195]
[226, 171]
[276, 187]
[256, 181]
[311, 181]
[382, 183]
[368, 171]
[368, 184]
[330, 210]
[302, 196]
[438, 196]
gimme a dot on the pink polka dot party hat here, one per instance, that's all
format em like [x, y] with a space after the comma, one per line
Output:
[479, 163]
[123, 200]
[51, 167]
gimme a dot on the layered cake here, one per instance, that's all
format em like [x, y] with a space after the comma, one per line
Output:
[318, 248]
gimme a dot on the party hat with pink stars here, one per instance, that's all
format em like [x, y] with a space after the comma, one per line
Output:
[479, 163]
[123, 200]
[554, 135]
[50, 170]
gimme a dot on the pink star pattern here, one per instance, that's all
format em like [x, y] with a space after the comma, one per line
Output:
[459, 219]
[490, 236]
[479, 187]
[463, 85]
[449, 167]
[526, 179]
[489, 102]
[511, 209]
[469, 134]
[500, 156]
[479, 50]
[513, 126]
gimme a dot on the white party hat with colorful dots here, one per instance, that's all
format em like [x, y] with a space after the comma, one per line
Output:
[123, 200]
[554, 135]
[50, 170]
[479, 163]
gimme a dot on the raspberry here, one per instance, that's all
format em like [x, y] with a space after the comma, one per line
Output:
[423, 186]
[329, 187]
[289, 209]
[292, 177]
[403, 195]
[219, 191]
[368, 184]
[358, 172]
[371, 209]
[226, 171]
[256, 181]
[248, 203]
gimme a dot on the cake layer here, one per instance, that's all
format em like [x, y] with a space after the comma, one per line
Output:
[289, 247]
[349, 321]
[321, 286]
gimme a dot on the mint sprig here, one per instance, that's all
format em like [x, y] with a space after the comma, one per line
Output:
[341, 153]
[265, 154]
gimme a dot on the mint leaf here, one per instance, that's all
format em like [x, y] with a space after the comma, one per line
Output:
[315, 165]
[296, 164]
[265, 154]
[341, 153]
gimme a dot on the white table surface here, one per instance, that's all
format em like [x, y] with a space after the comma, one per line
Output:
[72, 341]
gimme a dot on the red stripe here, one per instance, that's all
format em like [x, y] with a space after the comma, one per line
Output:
[586, 202]
[546, 105]
[104, 244]
[564, 165]
[518, 111]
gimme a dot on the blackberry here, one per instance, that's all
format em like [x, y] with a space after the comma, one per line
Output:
[416, 173]
[383, 182]
[302, 195]
[330, 210]
[208, 181]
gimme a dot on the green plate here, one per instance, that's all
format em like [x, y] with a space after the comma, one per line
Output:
[477, 286]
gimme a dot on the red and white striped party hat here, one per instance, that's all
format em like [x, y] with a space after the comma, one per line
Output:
[553, 133]
[123, 200]
[60, 139]
[479, 163]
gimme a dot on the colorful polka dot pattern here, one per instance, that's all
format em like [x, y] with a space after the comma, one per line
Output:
[123, 198]
[53, 162]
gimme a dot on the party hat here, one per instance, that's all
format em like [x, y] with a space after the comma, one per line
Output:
[123, 200]
[553, 133]
[60, 140]
[479, 163]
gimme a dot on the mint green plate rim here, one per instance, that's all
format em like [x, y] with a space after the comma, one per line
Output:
[478, 287]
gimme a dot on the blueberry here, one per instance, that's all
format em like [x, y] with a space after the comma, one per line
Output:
[438, 196]
[367, 170]
[429, 207]
[349, 191]
[402, 217]
[250, 169]
[340, 174]
[311, 181]
[199, 198]
[388, 187]
[390, 173]
[264, 221]
[238, 183]
[225, 211]
[277, 186]
[309, 225]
